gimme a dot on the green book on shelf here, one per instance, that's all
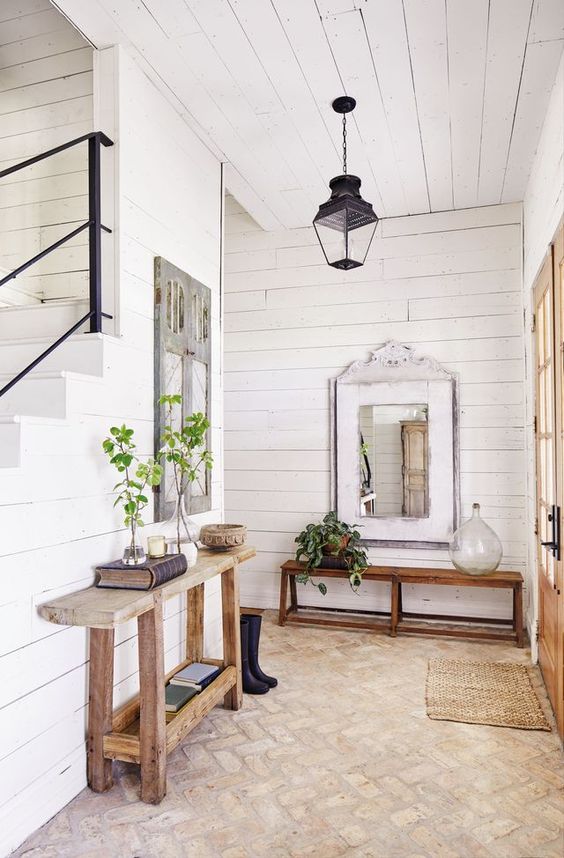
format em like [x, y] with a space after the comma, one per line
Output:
[176, 696]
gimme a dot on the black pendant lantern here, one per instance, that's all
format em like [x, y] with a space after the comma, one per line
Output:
[345, 224]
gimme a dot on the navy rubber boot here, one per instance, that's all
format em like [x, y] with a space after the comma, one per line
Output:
[251, 685]
[254, 622]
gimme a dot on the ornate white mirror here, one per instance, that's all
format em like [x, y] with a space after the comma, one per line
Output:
[395, 448]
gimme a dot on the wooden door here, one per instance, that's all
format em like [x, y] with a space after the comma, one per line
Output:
[414, 468]
[548, 425]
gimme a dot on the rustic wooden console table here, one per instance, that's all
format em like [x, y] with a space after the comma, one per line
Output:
[400, 621]
[137, 732]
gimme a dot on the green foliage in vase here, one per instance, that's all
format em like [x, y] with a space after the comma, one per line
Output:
[184, 447]
[331, 537]
[120, 448]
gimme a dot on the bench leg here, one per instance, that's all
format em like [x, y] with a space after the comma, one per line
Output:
[232, 633]
[152, 722]
[394, 609]
[293, 593]
[282, 612]
[101, 686]
[518, 614]
[195, 623]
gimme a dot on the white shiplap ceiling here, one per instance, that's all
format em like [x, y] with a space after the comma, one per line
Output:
[451, 93]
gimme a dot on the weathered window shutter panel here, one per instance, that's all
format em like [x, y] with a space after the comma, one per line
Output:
[182, 365]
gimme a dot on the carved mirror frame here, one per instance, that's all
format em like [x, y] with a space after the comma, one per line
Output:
[396, 374]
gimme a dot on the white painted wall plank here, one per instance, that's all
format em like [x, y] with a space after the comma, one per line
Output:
[539, 72]
[387, 35]
[507, 40]
[467, 28]
[427, 37]
[45, 99]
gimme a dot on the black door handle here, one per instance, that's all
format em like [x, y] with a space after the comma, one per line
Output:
[554, 544]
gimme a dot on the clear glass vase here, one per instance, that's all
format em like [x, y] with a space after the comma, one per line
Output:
[475, 548]
[134, 553]
[180, 529]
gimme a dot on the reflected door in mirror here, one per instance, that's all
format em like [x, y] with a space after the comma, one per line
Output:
[393, 472]
[414, 455]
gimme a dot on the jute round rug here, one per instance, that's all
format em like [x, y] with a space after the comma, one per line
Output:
[480, 692]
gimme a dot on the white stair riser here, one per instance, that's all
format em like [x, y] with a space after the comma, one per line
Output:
[10, 445]
[46, 397]
[76, 354]
[41, 320]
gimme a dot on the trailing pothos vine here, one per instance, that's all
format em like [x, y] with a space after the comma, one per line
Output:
[334, 538]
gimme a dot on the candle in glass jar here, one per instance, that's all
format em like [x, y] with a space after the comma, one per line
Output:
[156, 546]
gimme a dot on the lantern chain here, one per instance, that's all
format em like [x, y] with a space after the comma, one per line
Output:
[344, 144]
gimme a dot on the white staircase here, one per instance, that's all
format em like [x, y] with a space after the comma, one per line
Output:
[52, 391]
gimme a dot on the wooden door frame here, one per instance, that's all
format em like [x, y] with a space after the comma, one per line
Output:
[552, 268]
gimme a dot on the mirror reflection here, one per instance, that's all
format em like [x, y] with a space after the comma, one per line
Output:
[394, 461]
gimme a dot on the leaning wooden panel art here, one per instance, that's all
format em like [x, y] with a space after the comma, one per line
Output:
[182, 365]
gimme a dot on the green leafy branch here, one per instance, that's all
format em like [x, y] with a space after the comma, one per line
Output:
[184, 447]
[120, 448]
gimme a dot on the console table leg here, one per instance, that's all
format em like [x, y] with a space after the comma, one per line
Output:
[101, 684]
[282, 611]
[518, 614]
[152, 729]
[195, 623]
[232, 633]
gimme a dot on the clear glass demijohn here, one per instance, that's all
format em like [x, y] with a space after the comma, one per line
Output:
[475, 548]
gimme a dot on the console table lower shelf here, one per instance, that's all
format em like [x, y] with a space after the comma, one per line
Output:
[396, 619]
[138, 732]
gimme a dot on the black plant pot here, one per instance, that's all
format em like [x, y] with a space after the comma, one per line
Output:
[332, 562]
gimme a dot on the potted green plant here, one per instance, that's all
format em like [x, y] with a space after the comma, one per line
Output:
[184, 446]
[120, 448]
[335, 539]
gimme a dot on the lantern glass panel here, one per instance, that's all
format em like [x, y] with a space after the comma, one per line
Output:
[345, 245]
[359, 240]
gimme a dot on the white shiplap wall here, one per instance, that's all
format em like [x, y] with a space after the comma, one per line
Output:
[45, 100]
[543, 209]
[56, 512]
[450, 285]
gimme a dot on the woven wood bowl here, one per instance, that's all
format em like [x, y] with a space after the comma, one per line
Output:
[223, 536]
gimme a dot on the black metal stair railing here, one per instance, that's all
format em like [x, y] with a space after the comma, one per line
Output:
[94, 225]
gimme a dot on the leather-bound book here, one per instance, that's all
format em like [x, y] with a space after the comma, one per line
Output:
[152, 573]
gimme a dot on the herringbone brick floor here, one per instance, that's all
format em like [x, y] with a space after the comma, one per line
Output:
[340, 759]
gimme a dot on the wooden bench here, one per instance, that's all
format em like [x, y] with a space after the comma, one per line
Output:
[323, 616]
[138, 732]
[399, 620]
[453, 578]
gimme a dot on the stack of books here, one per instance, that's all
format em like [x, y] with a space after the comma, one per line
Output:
[176, 697]
[186, 684]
